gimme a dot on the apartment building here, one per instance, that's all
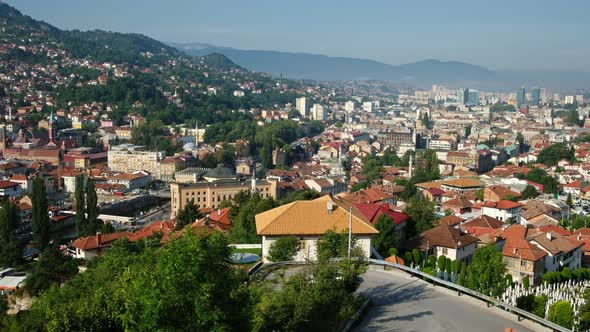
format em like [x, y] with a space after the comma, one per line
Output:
[211, 194]
[129, 158]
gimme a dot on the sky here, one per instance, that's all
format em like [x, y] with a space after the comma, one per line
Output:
[498, 34]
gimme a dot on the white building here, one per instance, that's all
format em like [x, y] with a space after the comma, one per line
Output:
[129, 158]
[318, 112]
[349, 106]
[569, 100]
[368, 106]
[446, 240]
[308, 221]
[561, 251]
[503, 210]
[302, 106]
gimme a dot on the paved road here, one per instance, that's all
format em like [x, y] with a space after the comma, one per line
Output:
[402, 303]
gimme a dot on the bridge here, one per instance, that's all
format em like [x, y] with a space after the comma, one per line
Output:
[404, 299]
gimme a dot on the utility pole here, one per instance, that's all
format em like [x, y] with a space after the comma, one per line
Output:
[349, 229]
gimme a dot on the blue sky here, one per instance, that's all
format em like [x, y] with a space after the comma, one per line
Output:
[499, 34]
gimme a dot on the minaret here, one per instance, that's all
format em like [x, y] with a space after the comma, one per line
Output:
[410, 166]
[51, 120]
[253, 180]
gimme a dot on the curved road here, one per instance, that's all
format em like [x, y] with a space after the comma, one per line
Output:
[403, 303]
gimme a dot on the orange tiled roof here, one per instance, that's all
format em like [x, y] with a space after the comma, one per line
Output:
[311, 218]
[463, 183]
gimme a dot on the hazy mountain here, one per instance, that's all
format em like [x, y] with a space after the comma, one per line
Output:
[422, 73]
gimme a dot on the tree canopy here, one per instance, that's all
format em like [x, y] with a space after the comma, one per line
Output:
[486, 273]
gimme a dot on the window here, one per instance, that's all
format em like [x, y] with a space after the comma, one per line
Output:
[302, 244]
[522, 263]
[445, 251]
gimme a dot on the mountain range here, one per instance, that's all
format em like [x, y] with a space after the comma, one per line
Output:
[420, 74]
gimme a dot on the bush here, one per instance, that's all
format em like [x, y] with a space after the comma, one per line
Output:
[565, 275]
[393, 252]
[442, 261]
[448, 266]
[539, 307]
[561, 313]
[408, 258]
[455, 266]
[432, 262]
[526, 302]
[283, 249]
[526, 283]
[417, 255]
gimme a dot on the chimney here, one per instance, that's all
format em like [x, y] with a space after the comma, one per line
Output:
[579, 236]
[329, 206]
[98, 238]
[207, 220]
[218, 212]
[514, 251]
[162, 226]
[549, 237]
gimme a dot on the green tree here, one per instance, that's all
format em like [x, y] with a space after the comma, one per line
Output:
[10, 252]
[81, 221]
[333, 245]
[91, 208]
[552, 154]
[421, 214]
[52, 268]
[584, 312]
[40, 216]
[569, 201]
[192, 272]
[188, 215]
[486, 272]
[387, 237]
[417, 256]
[426, 121]
[561, 313]
[244, 226]
[283, 249]
[372, 168]
[529, 192]
[526, 283]
[441, 263]
[572, 117]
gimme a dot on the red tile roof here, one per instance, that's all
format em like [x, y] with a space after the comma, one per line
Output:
[502, 205]
[374, 211]
[98, 241]
[8, 184]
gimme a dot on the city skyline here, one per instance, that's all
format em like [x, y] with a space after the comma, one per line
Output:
[526, 35]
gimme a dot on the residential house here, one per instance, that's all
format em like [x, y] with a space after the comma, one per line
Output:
[94, 245]
[503, 210]
[374, 211]
[561, 250]
[461, 185]
[498, 193]
[457, 205]
[445, 240]
[308, 221]
[9, 189]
